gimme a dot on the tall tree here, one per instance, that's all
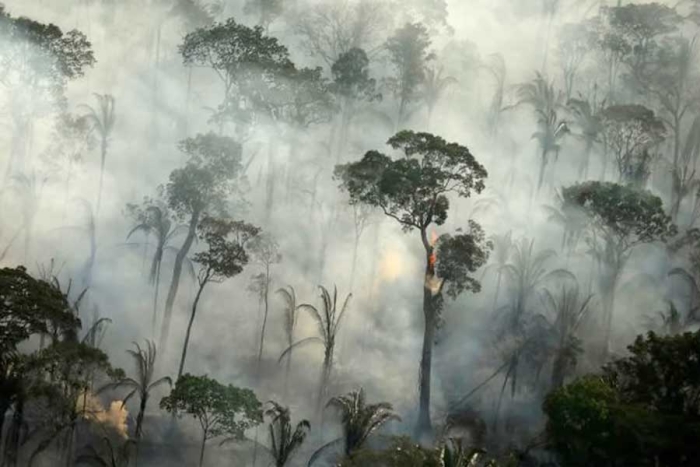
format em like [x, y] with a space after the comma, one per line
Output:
[142, 385]
[265, 251]
[409, 56]
[291, 314]
[153, 218]
[434, 86]
[631, 133]
[198, 189]
[220, 410]
[545, 101]
[620, 218]
[413, 190]
[102, 120]
[589, 123]
[328, 320]
[243, 58]
[669, 81]
[285, 440]
[224, 257]
[36, 63]
[358, 420]
[353, 85]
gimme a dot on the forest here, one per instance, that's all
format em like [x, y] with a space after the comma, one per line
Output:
[349, 233]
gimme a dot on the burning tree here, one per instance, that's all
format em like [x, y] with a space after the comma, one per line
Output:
[413, 190]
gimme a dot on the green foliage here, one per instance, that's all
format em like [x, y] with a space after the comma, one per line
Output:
[621, 215]
[413, 189]
[663, 374]
[226, 252]
[237, 53]
[284, 439]
[644, 410]
[221, 410]
[409, 55]
[351, 77]
[207, 179]
[359, 419]
[30, 307]
[579, 422]
[41, 56]
[459, 256]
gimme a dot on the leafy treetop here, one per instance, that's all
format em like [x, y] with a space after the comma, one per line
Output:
[226, 252]
[413, 189]
[624, 215]
[221, 410]
[208, 177]
[29, 306]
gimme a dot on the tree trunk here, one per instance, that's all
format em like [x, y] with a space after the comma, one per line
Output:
[543, 166]
[583, 170]
[354, 260]
[201, 451]
[424, 427]
[558, 369]
[4, 408]
[103, 157]
[189, 326]
[175, 281]
[498, 290]
[139, 427]
[154, 322]
[608, 297]
[264, 322]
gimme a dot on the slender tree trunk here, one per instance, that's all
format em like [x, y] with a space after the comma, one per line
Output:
[139, 427]
[201, 451]
[498, 290]
[189, 326]
[585, 163]
[4, 408]
[175, 281]
[608, 297]
[354, 260]
[103, 158]
[543, 166]
[264, 321]
[424, 427]
[156, 287]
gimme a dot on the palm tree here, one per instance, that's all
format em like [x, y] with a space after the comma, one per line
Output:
[359, 420]
[691, 277]
[291, 310]
[434, 86]
[284, 441]
[158, 223]
[544, 100]
[328, 320]
[497, 69]
[549, 135]
[570, 309]
[102, 119]
[588, 120]
[454, 453]
[143, 383]
[572, 221]
[503, 246]
[526, 273]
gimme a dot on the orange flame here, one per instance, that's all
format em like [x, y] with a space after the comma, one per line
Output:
[433, 256]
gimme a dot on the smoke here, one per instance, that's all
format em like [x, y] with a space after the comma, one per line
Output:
[159, 102]
[114, 417]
